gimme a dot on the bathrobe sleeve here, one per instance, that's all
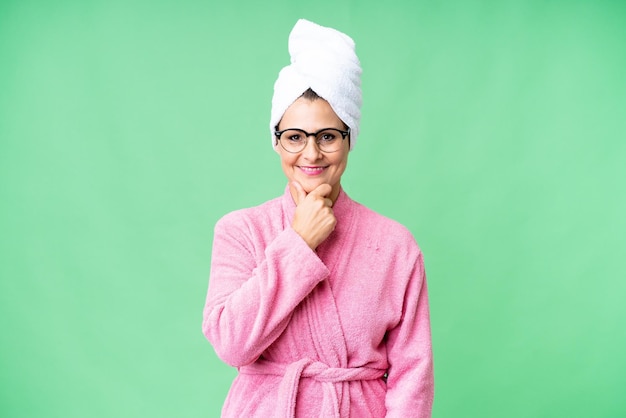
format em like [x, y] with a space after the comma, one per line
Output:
[410, 383]
[253, 290]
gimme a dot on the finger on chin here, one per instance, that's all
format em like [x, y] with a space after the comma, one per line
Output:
[323, 189]
[297, 191]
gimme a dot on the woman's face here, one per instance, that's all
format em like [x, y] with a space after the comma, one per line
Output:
[312, 167]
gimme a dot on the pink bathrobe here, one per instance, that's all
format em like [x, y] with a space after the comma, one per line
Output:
[342, 331]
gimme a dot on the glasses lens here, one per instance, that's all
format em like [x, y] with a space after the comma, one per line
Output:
[329, 140]
[293, 140]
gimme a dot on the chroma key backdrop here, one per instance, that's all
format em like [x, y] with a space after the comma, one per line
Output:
[494, 130]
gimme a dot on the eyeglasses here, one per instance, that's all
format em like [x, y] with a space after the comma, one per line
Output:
[295, 140]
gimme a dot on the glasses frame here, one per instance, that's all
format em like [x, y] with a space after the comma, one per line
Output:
[344, 134]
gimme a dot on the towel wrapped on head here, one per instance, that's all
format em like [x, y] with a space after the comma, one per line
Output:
[324, 60]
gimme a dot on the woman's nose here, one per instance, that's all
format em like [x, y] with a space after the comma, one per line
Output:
[311, 150]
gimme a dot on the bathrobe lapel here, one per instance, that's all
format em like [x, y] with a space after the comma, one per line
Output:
[321, 307]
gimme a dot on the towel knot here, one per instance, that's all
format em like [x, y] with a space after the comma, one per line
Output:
[318, 371]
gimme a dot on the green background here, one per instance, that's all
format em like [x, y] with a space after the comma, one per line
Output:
[494, 130]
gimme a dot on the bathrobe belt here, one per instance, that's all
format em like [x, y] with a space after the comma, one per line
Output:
[328, 376]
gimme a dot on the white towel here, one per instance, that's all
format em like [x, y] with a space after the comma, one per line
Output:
[324, 60]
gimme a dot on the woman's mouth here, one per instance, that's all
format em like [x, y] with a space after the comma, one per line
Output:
[311, 170]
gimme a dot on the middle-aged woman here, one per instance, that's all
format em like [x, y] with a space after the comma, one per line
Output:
[319, 302]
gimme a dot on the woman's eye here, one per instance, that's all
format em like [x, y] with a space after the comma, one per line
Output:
[295, 138]
[327, 137]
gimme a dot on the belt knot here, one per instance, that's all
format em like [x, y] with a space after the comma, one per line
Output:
[320, 372]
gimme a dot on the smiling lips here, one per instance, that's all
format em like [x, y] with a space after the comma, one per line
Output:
[311, 170]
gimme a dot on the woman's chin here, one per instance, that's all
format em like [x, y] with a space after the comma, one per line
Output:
[310, 184]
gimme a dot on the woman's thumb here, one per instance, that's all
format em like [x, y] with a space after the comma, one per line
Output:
[300, 194]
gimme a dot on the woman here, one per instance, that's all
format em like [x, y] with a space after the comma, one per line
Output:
[318, 301]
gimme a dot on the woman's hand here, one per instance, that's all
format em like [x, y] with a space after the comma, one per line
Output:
[314, 219]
